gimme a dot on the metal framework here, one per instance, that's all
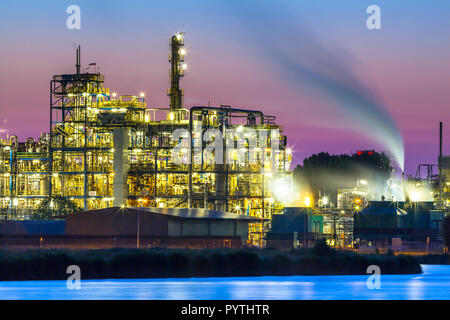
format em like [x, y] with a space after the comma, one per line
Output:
[106, 150]
[429, 169]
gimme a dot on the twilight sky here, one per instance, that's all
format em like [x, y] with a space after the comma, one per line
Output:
[233, 59]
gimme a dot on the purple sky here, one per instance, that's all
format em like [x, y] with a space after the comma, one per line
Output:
[406, 65]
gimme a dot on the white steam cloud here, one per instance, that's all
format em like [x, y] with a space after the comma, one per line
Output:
[306, 63]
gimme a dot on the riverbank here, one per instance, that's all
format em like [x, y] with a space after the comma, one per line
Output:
[51, 264]
[441, 259]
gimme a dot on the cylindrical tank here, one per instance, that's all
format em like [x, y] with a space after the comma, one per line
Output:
[44, 186]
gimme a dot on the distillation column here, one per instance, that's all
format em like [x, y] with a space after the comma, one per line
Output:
[121, 140]
[177, 67]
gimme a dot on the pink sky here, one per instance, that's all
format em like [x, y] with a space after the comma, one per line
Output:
[408, 69]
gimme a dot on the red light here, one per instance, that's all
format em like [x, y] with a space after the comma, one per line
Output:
[359, 153]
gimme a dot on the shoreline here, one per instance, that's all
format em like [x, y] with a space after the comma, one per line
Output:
[51, 264]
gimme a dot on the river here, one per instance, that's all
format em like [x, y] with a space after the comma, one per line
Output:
[433, 283]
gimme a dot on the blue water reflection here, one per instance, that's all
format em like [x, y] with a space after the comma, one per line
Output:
[434, 283]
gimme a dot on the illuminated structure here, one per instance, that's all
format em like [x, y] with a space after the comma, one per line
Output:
[354, 199]
[445, 160]
[107, 150]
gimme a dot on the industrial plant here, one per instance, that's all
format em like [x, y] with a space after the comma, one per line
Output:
[114, 158]
[104, 150]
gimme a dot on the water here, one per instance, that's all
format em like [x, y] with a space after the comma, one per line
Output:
[434, 283]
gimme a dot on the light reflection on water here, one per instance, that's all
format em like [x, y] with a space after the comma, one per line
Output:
[434, 283]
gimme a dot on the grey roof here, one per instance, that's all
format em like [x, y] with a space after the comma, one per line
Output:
[388, 210]
[196, 213]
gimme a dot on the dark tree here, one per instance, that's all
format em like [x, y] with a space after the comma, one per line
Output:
[328, 173]
[321, 248]
[54, 208]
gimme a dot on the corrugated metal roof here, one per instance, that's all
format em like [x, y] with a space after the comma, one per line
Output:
[388, 209]
[196, 213]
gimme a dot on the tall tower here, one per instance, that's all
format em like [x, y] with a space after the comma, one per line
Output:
[74, 135]
[177, 67]
[441, 202]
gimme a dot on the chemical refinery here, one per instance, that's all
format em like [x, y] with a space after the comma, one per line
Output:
[204, 174]
[105, 150]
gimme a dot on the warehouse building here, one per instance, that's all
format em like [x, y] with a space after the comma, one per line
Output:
[382, 221]
[164, 227]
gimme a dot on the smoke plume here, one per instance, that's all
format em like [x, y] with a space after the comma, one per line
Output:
[305, 63]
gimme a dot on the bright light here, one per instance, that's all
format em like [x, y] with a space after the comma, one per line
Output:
[52, 204]
[364, 182]
[16, 202]
[267, 174]
[171, 116]
[237, 208]
[307, 202]
[114, 94]
[184, 66]
[288, 151]
[414, 196]
[179, 36]
[142, 94]
[240, 128]
[324, 201]
[282, 190]
[183, 52]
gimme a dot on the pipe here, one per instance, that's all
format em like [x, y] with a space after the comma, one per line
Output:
[226, 109]
[15, 141]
